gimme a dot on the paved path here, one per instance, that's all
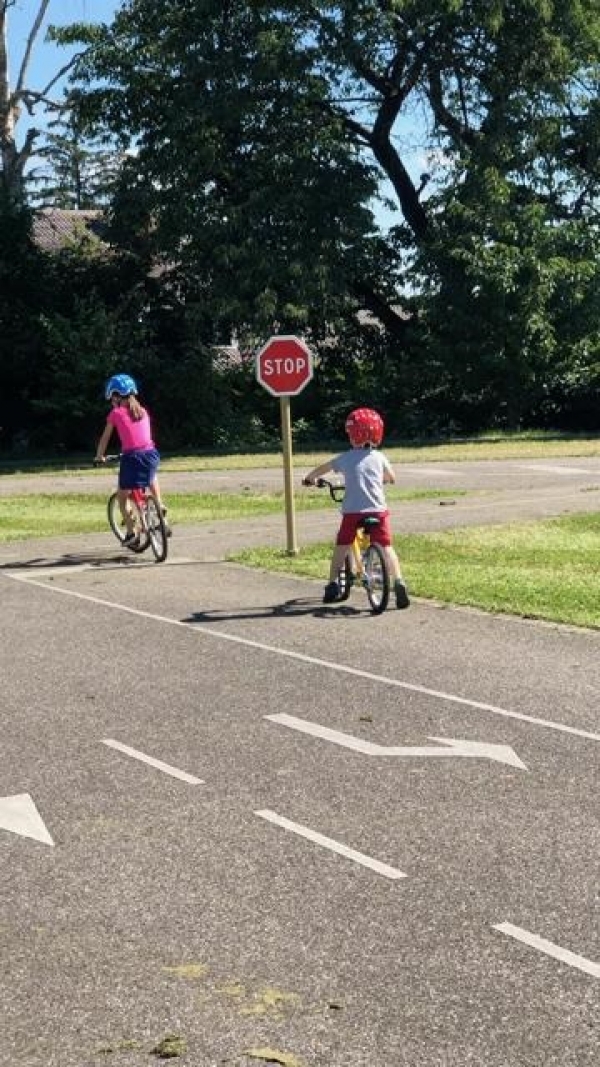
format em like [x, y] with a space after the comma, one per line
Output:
[488, 475]
[498, 492]
[286, 832]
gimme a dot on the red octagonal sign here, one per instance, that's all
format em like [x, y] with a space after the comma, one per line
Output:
[284, 366]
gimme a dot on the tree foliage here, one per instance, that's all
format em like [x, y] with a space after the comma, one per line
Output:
[256, 136]
[257, 202]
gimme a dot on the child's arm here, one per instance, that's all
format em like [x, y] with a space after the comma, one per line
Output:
[318, 472]
[103, 442]
[388, 472]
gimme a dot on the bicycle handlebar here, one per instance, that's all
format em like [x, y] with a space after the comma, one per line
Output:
[336, 491]
[107, 460]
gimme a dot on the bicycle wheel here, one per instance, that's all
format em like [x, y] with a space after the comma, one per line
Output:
[115, 519]
[119, 528]
[140, 526]
[377, 578]
[156, 528]
[345, 580]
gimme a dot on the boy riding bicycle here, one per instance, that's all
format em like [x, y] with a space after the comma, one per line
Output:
[365, 471]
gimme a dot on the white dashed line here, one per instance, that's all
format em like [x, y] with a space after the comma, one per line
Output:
[547, 469]
[158, 764]
[329, 843]
[550, 949]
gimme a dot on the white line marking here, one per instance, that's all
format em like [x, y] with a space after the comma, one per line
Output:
[333, 846]
[160, 766]
[302, 657]
[547, 469]
[430, 471]
[550, 949]
[451, 747]
[19, 815]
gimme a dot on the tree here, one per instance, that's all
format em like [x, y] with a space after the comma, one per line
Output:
[13, 159]
[256, 202]
[259, 128]
[74, 172]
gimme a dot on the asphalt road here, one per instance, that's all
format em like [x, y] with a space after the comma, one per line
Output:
[363, 842]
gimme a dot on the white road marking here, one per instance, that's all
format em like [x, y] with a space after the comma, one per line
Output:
[160, 766]
[301, 657]
[550, 949]
[547, 469]
[19, 815]
[329, 843]
[432, 471]
[450, 746]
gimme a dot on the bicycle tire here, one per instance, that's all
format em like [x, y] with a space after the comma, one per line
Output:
[156, 528]
[377, 578]
[115, 519]
[345, 580]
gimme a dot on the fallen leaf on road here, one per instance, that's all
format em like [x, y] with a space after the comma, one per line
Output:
[271, 1055]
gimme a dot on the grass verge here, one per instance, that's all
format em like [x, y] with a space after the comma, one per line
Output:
[542, 570]
[23, 516]
[532, 445]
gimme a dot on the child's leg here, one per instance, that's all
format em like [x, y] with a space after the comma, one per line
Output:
[155, 488]
[398, 582]
[123, 497]
[393, 563]
[337, 561]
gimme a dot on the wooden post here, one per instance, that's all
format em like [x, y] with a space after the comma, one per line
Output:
[288, 475]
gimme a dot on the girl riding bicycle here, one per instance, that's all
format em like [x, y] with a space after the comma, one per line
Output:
[365, 471]
[139, 457]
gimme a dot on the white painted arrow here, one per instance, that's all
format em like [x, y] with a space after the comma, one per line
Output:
[19, 815]
[450, 746]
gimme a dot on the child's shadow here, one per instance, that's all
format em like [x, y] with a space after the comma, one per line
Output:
[71, 559]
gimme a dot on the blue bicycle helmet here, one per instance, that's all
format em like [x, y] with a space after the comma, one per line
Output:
[121, 384]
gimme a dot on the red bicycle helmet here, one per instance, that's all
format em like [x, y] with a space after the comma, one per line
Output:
[364, 427]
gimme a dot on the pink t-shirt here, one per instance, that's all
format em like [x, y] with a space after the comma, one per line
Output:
[132, 434]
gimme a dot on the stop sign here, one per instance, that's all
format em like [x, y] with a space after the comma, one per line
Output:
[284, 366]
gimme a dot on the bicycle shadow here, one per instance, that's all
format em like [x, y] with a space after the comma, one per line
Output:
[289, 609]
[71, 559]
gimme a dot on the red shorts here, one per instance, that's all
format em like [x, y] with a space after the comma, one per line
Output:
[381, 534]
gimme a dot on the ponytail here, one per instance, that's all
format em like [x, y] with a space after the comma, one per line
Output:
[134, 408]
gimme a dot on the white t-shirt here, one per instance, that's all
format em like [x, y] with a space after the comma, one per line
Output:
[363, 470]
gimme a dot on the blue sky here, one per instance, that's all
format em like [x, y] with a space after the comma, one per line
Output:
[47, 58]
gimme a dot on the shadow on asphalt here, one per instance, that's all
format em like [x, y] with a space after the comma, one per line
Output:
[289, 609]
[71, 559]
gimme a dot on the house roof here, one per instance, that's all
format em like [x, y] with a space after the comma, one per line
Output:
[56, 228]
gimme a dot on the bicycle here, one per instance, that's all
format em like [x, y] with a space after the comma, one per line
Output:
[149, 525]
[368, 566]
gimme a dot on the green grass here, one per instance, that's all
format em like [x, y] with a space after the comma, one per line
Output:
[543, 570]
[528, 445]
[45, 515]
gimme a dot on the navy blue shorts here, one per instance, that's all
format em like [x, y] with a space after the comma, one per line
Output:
[138, 468]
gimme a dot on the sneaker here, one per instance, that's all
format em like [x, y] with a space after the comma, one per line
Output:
[332, 593]
[402, 600]
[131, 540]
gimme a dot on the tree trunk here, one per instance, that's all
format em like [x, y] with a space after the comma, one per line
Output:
[13, 160]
